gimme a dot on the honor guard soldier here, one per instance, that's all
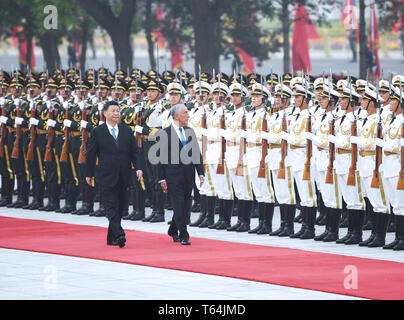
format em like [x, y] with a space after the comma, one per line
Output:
[283, 184]
[150, 125]
[71, 146]
[54, 145]
[392, 165]
[365, 141]
[299, 155]
[82, 89]
[197, 121]
[38, 138]
[215, 158]
[7, 138]
[132, 116]
[255, 161]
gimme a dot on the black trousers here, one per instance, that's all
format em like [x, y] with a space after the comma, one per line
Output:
[113, 199]
[181, 200]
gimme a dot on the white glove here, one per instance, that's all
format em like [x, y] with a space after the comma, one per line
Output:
[379, 142]
[284, 135]
[45, 98]
[222, 133]
[243, 134]
[316, 141]
[65, 105]
[265, 136]
[31, 105]
[332, 139]
[138, 129]
[3, 119]
[100, 122]
[82, 105]
[100, 106]
[83, 124]
[60, 99]
[67, 123]
[3, 101]
[17, 102]
[308, 135]
[48, 104]
[357, 141]
[33, 121]
[51, 123]
[204, 132]
[94, 100]
[18, 121]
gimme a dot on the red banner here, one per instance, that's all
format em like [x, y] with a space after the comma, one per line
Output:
[245, 58]
[300, 44]
[374, 40]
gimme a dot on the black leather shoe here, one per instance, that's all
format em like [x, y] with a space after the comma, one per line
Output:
[148, 218]
[118, 242]
[196, 207]
[158, 217]
[223, 225]
[185, 242]
[137, 216]
[244, 227]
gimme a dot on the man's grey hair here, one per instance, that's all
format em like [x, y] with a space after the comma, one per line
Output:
[177, 109]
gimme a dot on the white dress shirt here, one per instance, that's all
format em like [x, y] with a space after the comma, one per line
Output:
[110, 129]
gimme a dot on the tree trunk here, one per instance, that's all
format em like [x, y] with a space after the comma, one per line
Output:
[150, 43]
[118, 28]
[362, 41]
[285, 35]
[84, 41]
[206, 27]
[49, 44]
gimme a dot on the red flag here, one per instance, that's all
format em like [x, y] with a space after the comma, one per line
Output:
[177, 61]
[23, 53]
[396, 25]
[158, 35]
[300, 44]
[349, 20]
[374, 40]
[245, 58]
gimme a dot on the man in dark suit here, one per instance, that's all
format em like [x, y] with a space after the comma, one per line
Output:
[115, 146]
[180, 158]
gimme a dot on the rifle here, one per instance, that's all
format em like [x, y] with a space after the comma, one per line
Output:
[65, 147]
[16, 147]
[329, 177]
[351, 181]
[284, 143]
[220, 166]
[309, 145]
[48, 150]
[203, 119]
[30, 150]
[261, 170]
[400, 182]
[83, 147]
[243, 141]
[378, 158]
[3, 113]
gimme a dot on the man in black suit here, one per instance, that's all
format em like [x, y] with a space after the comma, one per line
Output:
[180, 157]
[115, 146]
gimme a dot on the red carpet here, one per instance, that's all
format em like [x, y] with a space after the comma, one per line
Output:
[376, 279]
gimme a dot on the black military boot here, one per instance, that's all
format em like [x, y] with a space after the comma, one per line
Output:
[227, 212]
[246, 217]
[350, 225]
[303, 214]
[261, 215]
[159, 216]
[309, 233]
[372, 217]
[322, 218]
[356, 237]
[382, 223]
[289, 223]
[202, 215]
[400, 226]
[139, 206]
[153, 205]
[397, 239]
[268, 216]
[240, 208]
[210, 212]
[283, 208]
[328, 213]
[333, 233]
[221, 212]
